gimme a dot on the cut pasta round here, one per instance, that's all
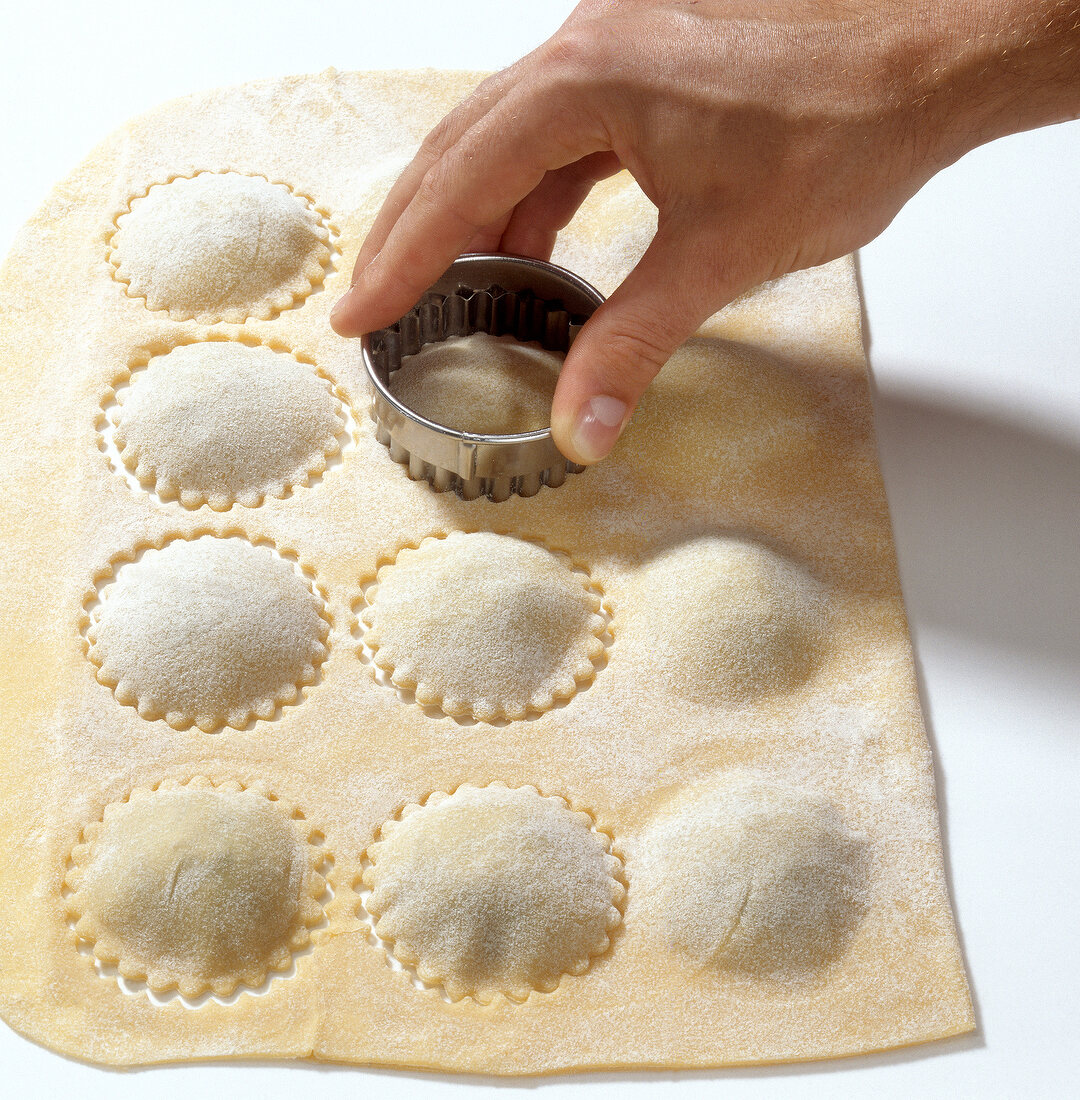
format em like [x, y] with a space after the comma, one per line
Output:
[484, 625]
[220, 246]
[198, 888]
[207, 632]
[494, 891]
[220, 422]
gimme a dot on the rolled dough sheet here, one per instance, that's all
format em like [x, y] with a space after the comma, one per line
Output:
[753, 451]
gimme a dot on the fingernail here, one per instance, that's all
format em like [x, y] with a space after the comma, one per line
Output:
[600, 421]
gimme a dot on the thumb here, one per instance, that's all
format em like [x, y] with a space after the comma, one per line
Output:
[626, 341]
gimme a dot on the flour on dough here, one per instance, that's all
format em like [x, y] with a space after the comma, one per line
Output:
[734, 620]
[207, 632]
[219, 422]
[220, 246]
[484, 625]
[757, 877]
[196, 888]
[719, 653]
[480, 383]
[491, 890]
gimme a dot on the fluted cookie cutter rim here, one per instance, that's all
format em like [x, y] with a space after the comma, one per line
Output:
[529, 299]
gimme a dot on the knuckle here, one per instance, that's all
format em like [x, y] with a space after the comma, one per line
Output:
[575, 53]
[492, 89]
[565, 88]
[437, 186]
[439, 137]
[490, 85]
[441, 191]
[634, 354]
[449, 129]
[566, 122]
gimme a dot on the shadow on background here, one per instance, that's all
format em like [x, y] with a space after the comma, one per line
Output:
[987, 519]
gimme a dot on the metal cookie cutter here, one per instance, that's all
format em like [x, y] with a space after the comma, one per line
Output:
[501, 295]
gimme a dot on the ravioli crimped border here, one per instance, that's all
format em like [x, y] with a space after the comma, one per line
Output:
[416, 693]
[267, 709]
[398, 956]
[110, 406]
[106, 953]
[277, 301]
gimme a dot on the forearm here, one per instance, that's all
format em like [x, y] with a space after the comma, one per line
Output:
[981, 69]
[935, 78]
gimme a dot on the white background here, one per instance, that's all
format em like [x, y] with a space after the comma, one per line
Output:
[973, 303]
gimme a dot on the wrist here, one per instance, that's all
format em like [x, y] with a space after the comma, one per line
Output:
[980, 69]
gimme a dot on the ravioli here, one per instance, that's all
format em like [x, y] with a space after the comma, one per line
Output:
[197, 888]
[733, 620]
[484, 625]
[494, 891]
[221, 423]
[207, 632]
[220, 246]
[757, 877]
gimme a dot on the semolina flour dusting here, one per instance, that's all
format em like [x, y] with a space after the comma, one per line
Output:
[301, 759]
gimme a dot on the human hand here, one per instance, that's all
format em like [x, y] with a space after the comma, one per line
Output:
[770, 137]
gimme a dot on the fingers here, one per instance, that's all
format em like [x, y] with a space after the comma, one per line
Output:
[672, 290]
[442, 137]
[487, 240]
[475, 183]
[536, 220]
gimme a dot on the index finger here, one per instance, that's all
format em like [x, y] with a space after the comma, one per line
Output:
[477, 181]
[441, 138]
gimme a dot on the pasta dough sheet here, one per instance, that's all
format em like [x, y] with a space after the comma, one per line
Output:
[302, 759]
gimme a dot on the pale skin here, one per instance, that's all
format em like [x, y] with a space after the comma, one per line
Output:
[770, 137]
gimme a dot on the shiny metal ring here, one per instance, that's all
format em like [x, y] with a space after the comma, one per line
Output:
[502, 295]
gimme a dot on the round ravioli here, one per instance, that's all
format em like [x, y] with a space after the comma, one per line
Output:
[730, 620]
[196, 888]
[491, 890]
[492, 385]
[484, 625]
[757, 877]
[220, 422]
[208, 632]
[220, 246]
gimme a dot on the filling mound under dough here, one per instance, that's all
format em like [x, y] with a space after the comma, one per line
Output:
[207, 632]
[221, 422]
[484, 625]
[491, 385]
[757, 877]
[734, 620]
[195, 888]
[491, 890]
[220, 247]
